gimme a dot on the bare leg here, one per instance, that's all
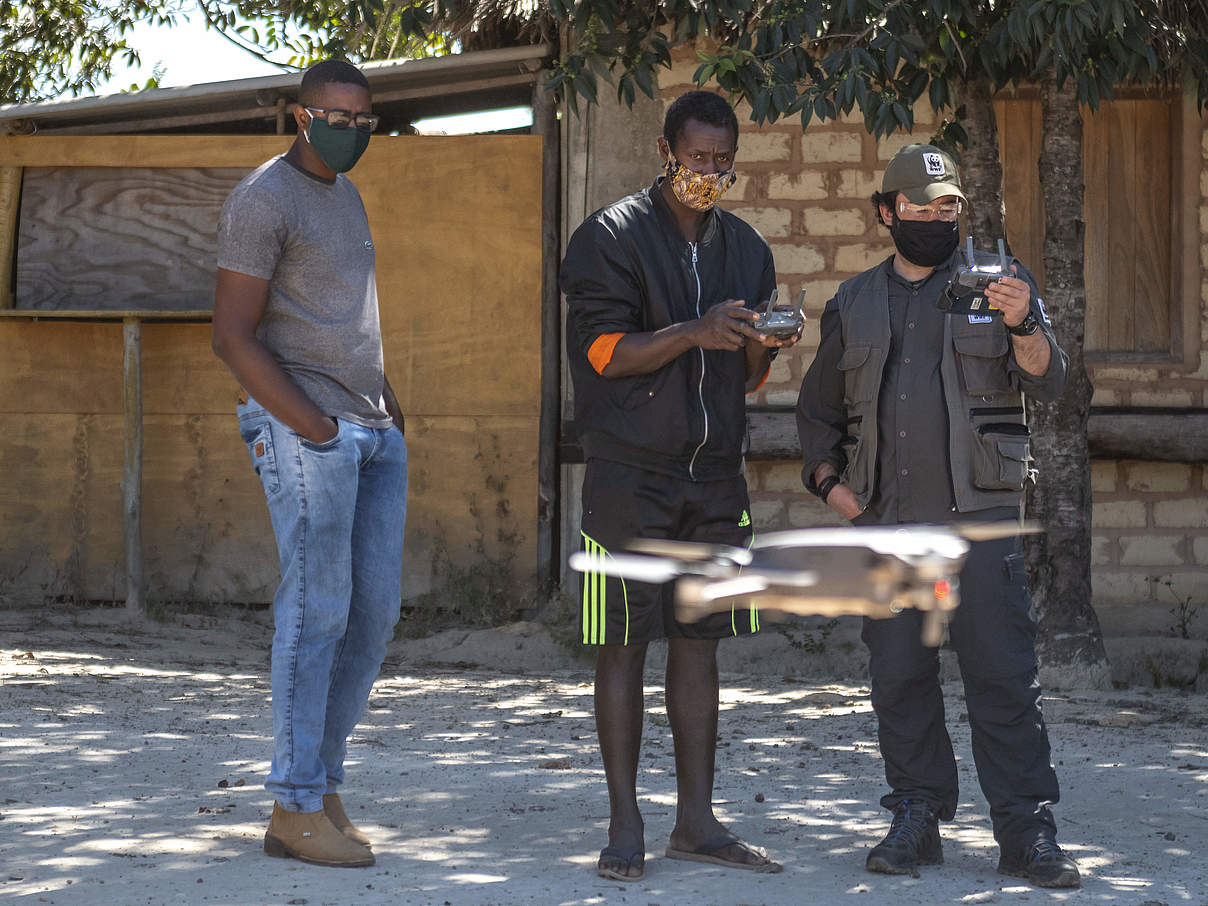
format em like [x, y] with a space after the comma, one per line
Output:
[692, 698]
[619, 727]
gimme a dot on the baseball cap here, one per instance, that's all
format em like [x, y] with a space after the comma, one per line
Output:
[922, 173]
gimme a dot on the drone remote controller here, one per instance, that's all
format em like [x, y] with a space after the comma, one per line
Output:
[965, 292]
[781, 323]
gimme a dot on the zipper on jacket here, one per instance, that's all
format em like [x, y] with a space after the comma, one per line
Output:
[700, 386]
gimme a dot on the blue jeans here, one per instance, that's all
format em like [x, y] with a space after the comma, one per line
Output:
[337, 510]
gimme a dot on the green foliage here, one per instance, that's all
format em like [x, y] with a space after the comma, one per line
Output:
[56, 47]
[298, 33]
[819, 59]
[809, 59]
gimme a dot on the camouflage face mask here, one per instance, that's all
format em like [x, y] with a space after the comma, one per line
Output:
[699, 191]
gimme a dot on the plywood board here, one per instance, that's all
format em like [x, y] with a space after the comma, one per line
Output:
[206, 529]
[1019, 150]
[52, 367]
[1151, 226]
[456, 223]
[10, 198]
[60, 507]
[1127, 159]
[182, 374]
[1095, 150]
[144, 150]
[120, 238]
[1118, 205]
[472, 502]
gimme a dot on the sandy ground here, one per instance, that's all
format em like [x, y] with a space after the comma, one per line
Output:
[132, 757]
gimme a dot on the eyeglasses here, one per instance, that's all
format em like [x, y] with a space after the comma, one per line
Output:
[342, 119]
[948, 211]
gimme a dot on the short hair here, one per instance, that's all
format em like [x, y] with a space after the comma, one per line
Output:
[889, 199]
[329, 72]
[703, 106]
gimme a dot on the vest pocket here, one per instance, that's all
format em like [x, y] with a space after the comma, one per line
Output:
[982, 357]
[1001, 457]
[859, 382]
[857, 474]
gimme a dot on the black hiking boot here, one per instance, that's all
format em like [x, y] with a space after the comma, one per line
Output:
[1043, 863]
[913, 840]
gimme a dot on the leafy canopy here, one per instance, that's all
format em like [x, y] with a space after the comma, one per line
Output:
[812, 59]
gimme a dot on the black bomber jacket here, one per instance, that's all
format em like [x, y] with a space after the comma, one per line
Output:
[628, 269]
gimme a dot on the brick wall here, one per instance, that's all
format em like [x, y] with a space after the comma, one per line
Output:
[808, 193]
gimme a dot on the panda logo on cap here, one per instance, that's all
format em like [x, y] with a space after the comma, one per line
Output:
[933, 164]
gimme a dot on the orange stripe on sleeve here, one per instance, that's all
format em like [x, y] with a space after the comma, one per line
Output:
[600, 353]
[763, 380]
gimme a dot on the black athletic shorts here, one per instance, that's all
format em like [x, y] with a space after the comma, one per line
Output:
[622, 502]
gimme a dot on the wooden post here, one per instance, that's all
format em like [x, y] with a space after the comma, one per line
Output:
[132, 479]
[10, 200]
[545, 124]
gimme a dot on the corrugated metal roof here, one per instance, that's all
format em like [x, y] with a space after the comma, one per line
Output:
[437, 84]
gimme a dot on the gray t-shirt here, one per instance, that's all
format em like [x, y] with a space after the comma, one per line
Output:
[310, 240]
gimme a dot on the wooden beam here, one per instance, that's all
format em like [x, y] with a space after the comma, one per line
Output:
[132, 476]
[154, 123]
[147, 150]
[1154, 435]
[282, 109]
[1151, 435]
[103, 314]
[545, 124]
[10, 203]
[444, 89]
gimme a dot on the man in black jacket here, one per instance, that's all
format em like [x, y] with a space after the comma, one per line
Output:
[660, 290]
[909, 414]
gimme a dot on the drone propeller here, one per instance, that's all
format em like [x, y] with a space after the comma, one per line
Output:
[992, 531]
[733, 588]
[690, 550]
[638, 567]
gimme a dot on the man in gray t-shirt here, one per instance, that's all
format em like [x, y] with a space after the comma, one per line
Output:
[296, 320]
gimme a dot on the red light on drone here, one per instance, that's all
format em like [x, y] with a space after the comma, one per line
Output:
[942, 589]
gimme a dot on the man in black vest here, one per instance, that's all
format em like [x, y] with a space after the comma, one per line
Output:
[910, 414]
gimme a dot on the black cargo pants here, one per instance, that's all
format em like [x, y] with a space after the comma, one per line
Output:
[993, 635]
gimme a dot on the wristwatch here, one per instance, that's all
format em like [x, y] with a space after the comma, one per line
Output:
[1026, 327]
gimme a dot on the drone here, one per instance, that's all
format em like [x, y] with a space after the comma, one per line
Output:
[875, 571]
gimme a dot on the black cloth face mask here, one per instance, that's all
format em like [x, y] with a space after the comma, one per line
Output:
[927, 243]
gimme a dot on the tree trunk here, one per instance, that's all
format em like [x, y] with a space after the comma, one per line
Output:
[1070, 643]
[981, 167]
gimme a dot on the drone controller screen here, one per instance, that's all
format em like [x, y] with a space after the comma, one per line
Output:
[965, 292]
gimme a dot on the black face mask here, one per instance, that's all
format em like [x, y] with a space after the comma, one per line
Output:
[927, 243]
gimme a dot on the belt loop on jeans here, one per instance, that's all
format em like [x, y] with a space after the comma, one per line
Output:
[241, 397]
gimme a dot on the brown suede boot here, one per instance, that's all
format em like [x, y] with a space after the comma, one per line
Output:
[334, 809]
[311, 837]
